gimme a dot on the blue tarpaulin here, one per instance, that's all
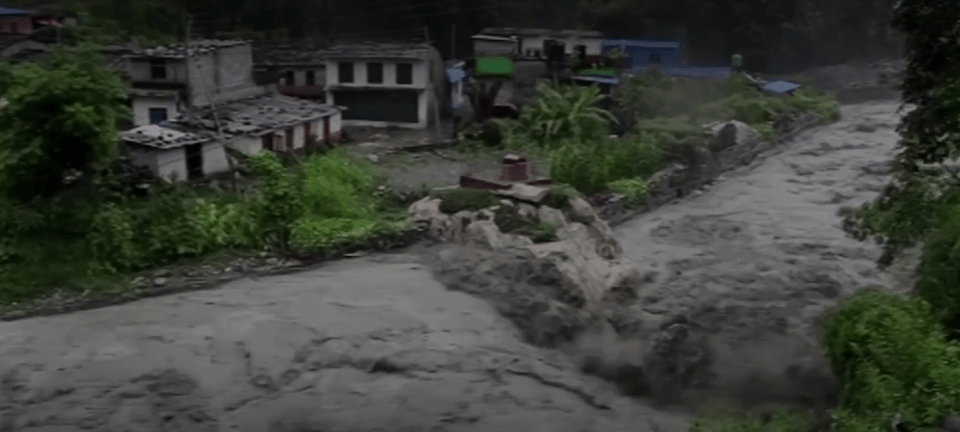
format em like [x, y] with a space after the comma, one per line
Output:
[598, 79]
[781, 87]
[455, 75]
[690, 71]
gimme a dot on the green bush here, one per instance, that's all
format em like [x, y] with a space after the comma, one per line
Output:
[778, 422]
[559, 196]
[509, 220]
[635, 191]
[591, 167]
[466, 199]
[891, 356]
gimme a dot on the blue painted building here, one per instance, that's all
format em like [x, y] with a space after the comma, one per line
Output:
[644, 53]
[667, 56]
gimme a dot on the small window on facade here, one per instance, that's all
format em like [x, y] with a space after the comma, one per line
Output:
[311, 78]
[375, 73]
[404, 73]
[655, 58]
[345, 72]
[158, 115]
[288, 78]
[158, 69]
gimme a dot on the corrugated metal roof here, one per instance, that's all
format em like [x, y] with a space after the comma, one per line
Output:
[598, 79]
[528, 31]
[781, 87]
[690, 71]
[8, 11]
[640, 43]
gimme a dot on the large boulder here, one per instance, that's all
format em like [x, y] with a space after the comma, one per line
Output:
[586, 252]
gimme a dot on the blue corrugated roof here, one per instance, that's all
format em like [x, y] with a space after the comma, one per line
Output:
[690, 71]
[640, 43]
[8, 11]
[598, 79]
[781, 86]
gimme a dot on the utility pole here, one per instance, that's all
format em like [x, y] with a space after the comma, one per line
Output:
[453, 30]
[188, 105]
[453, 41]
[433, 90]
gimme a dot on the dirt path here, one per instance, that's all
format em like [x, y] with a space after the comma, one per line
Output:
[377, 344]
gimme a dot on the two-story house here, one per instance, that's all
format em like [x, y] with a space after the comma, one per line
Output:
[219, 71]
[529, 42]
[393, 84]
[297, 72]
[15, 21]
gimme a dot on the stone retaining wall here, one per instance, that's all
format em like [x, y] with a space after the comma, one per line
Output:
[681, 180]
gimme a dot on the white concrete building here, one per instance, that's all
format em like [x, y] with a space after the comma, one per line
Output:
[220, 71]
[531, 40]
[190, 149]
[385, 84]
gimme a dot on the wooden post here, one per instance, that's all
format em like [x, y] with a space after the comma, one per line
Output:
[433, 90]
[188, 105]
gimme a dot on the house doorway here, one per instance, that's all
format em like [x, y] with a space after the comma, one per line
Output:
[194, 154]
[309, 138]
[326, 130]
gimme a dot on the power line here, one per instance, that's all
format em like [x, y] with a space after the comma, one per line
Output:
[425, 5]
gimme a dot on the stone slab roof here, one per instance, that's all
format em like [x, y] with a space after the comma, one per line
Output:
[197, 48]
[164, 137]
[359, 50]
[260, 115]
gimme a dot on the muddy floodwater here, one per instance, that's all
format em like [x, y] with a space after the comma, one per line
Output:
[378, 344]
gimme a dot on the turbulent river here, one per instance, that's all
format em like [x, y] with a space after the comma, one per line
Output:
[377, 344]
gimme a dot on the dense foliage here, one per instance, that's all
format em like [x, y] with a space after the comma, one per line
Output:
[67, 222]
[898, 356]
[804, 31]
[664, 118]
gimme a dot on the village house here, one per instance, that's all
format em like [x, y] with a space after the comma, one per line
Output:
[392, 84]
[18, 26]
[220, 71]
[15, 21]
[296, 72]
[530, 42]
[189, 147]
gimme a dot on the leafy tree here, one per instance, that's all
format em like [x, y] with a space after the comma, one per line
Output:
[60, 119]
[924, 185]
[566, 112]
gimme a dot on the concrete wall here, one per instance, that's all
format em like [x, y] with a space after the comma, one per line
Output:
[536, 42]
[493, 48]
[16, 25]
[421, 74]
[222, 75]
[142, 156]
[171, 164]
[300, 75]
[247, 144]
[141, 108]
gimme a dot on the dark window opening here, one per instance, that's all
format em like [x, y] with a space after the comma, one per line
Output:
[288, 78]
[194, 161]
[404, 73]
[158, 115]
[311, 78]
[345, 72]
[158, 69]
[655, 58]
[375, 73]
